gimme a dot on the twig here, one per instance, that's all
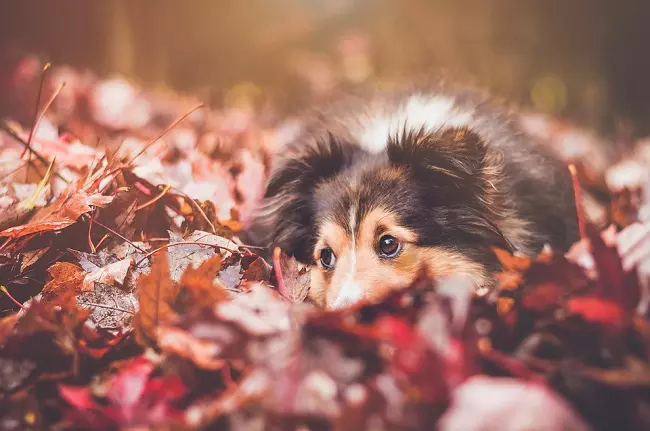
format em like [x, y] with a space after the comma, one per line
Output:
[253, 247]
[151, 253]
[171, 126]
[197, 207]
[108, 307]
[93, 249]
[45, 108]
[101, 241]
[42, 159]
[154, 199]
[38, 105]
[120, 236]
[6, 292]
[282, 287]
[577, 194]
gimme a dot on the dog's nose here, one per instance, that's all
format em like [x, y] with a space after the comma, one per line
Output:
[350, 294]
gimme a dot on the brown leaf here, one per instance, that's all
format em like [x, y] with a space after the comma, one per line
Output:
[31, 257]
[11, 195]
[110, 307]
[295, 280]
[156, 294]
[110, 274]
[257, 270]
[510, 262]
[63, 212]
[201, 285]
[65, 276]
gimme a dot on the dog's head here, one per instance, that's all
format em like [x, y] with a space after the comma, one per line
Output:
[367, 223]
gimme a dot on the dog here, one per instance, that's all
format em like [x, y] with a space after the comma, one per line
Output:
[375, 188]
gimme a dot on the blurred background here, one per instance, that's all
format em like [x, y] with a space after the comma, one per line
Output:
[583, 60]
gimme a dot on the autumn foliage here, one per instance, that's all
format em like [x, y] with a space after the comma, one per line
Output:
[131, 301]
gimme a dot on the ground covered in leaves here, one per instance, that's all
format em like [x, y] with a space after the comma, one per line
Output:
[129, 300]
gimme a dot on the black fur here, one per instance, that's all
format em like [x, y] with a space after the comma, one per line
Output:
[457, 188]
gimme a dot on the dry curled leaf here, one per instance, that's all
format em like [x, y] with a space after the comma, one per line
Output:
[31, 257]
[61, 213]
[257, 270]
[65, 277]
[295, 280]
[111, 274]
[156, 294]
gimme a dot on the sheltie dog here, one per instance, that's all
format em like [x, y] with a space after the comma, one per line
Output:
[374, 189]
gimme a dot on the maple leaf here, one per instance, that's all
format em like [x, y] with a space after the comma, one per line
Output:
[613, 280]
[183, 255]
[156, 294]
[61, 213]
[132, 398]
[200, 283]
[227, 331]
[65, 276]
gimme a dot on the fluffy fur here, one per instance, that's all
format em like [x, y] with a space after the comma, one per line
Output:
[450, 169]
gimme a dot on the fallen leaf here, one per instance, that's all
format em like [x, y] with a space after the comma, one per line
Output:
[132, 398]
[156, 294]
[181, 256]
[296, 280]
[61, 213]
[11, 195]
[112, 274]
[510, 262]
[613, 280]
[597, 310]
[65, 277]
[31, 257]
[487, 403]
[257, 270]
[201, 283]
[110, 307]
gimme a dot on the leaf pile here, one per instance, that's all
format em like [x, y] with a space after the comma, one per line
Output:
[130, 300]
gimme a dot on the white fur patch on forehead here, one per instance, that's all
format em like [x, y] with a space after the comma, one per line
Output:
[416, 112]
[351, 291]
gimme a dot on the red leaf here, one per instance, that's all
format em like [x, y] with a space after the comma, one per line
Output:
[63, 212]
[78, 397]
[128, 387]
[131, 399]
[597, 310]
[613, 281]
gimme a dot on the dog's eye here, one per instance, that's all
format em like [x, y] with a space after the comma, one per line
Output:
[389, 246]
[327, 258]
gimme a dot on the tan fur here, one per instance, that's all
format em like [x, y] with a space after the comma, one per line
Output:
[377, 276]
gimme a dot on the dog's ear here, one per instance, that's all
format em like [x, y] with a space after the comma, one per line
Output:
[450, 159]
[457, 170]
[458, 153]
[285, 217]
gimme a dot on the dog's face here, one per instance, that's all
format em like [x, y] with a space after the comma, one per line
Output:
[368, 223]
